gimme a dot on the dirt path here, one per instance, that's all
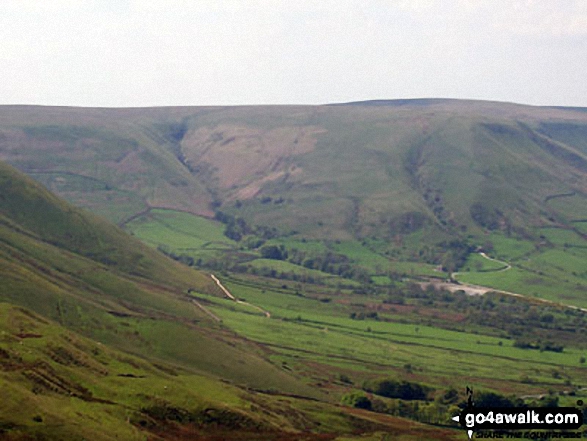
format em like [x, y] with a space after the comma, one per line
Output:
[230, 296]
[207, 311]
[477, 290]
[507, 265]
[480, 290]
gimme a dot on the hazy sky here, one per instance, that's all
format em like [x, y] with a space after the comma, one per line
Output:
[190, 52]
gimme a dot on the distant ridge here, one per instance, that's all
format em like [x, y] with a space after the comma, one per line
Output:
[440, 101]
[339, 171]
[398, 102]
[576, 109]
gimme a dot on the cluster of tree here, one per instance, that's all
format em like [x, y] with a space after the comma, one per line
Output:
[268, 199]
[491, 399]
[403, 390]
[428, 412]
[451, 255]
[331, 263]
[456, 253]
[517, 318]
[275, 252]
[440, 410]
[364, 315]
[237, 228]
[358, 400]
[243, 267]
[281, 275]
[328, 262]
[524, 343]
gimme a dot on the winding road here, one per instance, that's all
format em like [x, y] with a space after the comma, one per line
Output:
[477, 290]
[506, 265]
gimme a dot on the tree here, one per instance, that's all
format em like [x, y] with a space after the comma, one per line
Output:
[274, 252]
[357, 400]
[490, 399]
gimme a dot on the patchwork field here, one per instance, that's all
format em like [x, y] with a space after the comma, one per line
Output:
[347, 235]
[314, 333]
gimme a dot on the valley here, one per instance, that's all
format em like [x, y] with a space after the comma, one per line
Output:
[304, 272]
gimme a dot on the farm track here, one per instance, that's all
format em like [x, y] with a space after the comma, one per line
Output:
[207, 311]
[506, 265]
[230, 296]
[471, 289]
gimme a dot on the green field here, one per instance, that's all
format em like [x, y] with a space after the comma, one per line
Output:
[99, 339]
[179, 231]
[306, 330]
[477, 263]
[559, 236]
[339, 230]
[554, 272]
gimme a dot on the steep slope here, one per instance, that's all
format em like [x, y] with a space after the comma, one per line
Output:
[451, 164]
[56, 384]
[343, 171]
[105, 159]
[33, 210]
[115, 349]
[67, 265]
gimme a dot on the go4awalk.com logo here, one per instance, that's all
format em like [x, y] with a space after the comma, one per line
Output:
[524, 423]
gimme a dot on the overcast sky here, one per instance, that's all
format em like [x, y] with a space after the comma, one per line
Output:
[217, 52]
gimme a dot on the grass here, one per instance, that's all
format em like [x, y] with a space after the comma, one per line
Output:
[201, 238]
[57, 364]
[180, 231]
[572, 206]
[530, 283]
[508, 248]
[57, 384]
[136, 301]
[478, 263]
[302, 328]
[287, 267]
[362, 256]
[125, 340]
[563, 237]
[552, 270]
[383, 185]
[95, 195]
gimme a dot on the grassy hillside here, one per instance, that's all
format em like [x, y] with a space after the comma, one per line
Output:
[115, 162]
[116, 348]
[422, 182]
[58, 385]
[342, 171]
[90, 276]
[336, 228]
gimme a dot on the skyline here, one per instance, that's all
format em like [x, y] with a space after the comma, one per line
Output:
[136, 54]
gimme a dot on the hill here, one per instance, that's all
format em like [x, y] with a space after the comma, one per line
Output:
[405, 181]
[57, 384]
[449, 164]
[99, 339]
[70, 266]
[331, 228]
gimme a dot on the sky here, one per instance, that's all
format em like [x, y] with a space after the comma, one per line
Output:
[129, 53]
